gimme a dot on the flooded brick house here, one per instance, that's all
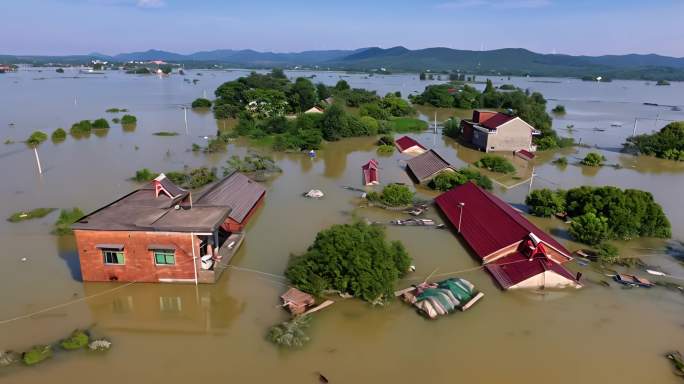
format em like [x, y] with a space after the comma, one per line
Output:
[491, 131]
[162, 233]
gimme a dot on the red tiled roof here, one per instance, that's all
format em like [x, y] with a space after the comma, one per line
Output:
[370, 172]
[488, 223]
[525, 154]
[497, 120]
[516, 268]
[403, 143]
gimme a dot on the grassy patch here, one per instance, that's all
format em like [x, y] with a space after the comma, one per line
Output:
[408, 124]
[385, 149]
[144, 175]
[77, 340]
[116, 110]
[28, 215]
[37, 354]
[66, 219]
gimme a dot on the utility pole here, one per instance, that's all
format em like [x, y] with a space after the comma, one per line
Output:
[185, 113]
[656, 121]
[194, 258]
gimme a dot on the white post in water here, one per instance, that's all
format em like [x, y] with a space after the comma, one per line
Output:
[185, 114]
[40, 169]
[529, 190]
[435, 122]
[194, 258]
[635, 126]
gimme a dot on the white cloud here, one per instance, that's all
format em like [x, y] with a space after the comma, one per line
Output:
[500, 4]
[150, 3]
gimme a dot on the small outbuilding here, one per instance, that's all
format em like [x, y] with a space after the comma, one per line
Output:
[423, 168]
[315, 109]
[370, 173]
[513, 250]
[296, 301]
[409, 145]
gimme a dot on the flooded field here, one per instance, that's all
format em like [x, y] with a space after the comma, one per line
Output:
[180, 333]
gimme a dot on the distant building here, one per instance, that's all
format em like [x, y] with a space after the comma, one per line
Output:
[495, 131]
[315, 109]
[6, 68]
[160, 233]
[423, 168]
[370, 173]
[409, 145]
[513, 250]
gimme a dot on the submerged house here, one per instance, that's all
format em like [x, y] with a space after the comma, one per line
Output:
[423, 168]
[495, 131]
[161, 233]
[409, 145]
[370, 173]
[513, 250]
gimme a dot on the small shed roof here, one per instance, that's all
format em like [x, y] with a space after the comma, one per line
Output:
[370, 172]
[294, 295]
[427, 164]
[403, 143]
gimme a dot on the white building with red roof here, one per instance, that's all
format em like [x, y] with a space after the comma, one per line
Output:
[513, 250]
[409, 145]
[491, 131]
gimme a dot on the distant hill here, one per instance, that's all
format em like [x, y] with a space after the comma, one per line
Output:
[509, 61]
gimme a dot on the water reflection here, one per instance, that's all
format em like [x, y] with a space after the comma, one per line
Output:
[176, 308]
[66, 249]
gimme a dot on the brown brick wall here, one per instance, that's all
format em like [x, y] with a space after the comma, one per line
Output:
[139, 260]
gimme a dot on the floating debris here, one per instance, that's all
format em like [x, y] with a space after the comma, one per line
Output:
[100, 345]
[632, 281]
[441, 298]
[414, 222]
[314, 194]
[676, 359]
[8, 358]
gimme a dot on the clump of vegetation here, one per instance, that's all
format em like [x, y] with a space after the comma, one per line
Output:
[447, 180]
[604, 213]
[350, 258]
[8, 358]
[193, 178]
[59, 70]
[386, 140]
[385, 149]
[9, 141]
[607, 253]
[507, 87]
[37, 213]
[116, 110]
[561, 161]
[37, 354]
[77, 340]
[452, 128]
[65, 220]
[668, 143]
[82, 128]
[128, 119]
[663, 82]
[58, 135]
[139, 71]
[143, 175]
[291, 333]
[36, 138]
[116, 120]
[495, 163]
[165, 133]
[559, 109]
[250, 164]
[593, 159]
[201, 103]
[392, 195]
[100, 124]
[545, 202]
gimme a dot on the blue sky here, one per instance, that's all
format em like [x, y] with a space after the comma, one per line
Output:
[184, 26]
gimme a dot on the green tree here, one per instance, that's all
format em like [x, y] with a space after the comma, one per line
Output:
[323, 91]
[334, 122]
[36, 138]
[393, 195]
[593, 159]
[201, 103]
[452, 128]
[350, 258]
[545, 202]
[342, 85]
[495, 164]
[100, 124]
[668, 143]
[302, 95]
[58, 135]
[607, 253]
[589, 228]
[128, 119]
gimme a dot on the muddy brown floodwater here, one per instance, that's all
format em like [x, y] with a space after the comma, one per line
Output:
[215, 333]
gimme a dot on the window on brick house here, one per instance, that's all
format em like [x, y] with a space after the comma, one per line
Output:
[164, 256]
[113, 256]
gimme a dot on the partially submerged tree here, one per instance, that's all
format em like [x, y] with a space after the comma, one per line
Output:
[350, 258]
[201, 103]
[393, 195]
[291, 333]
[593, 159]
[36, 138]
[495, 163]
